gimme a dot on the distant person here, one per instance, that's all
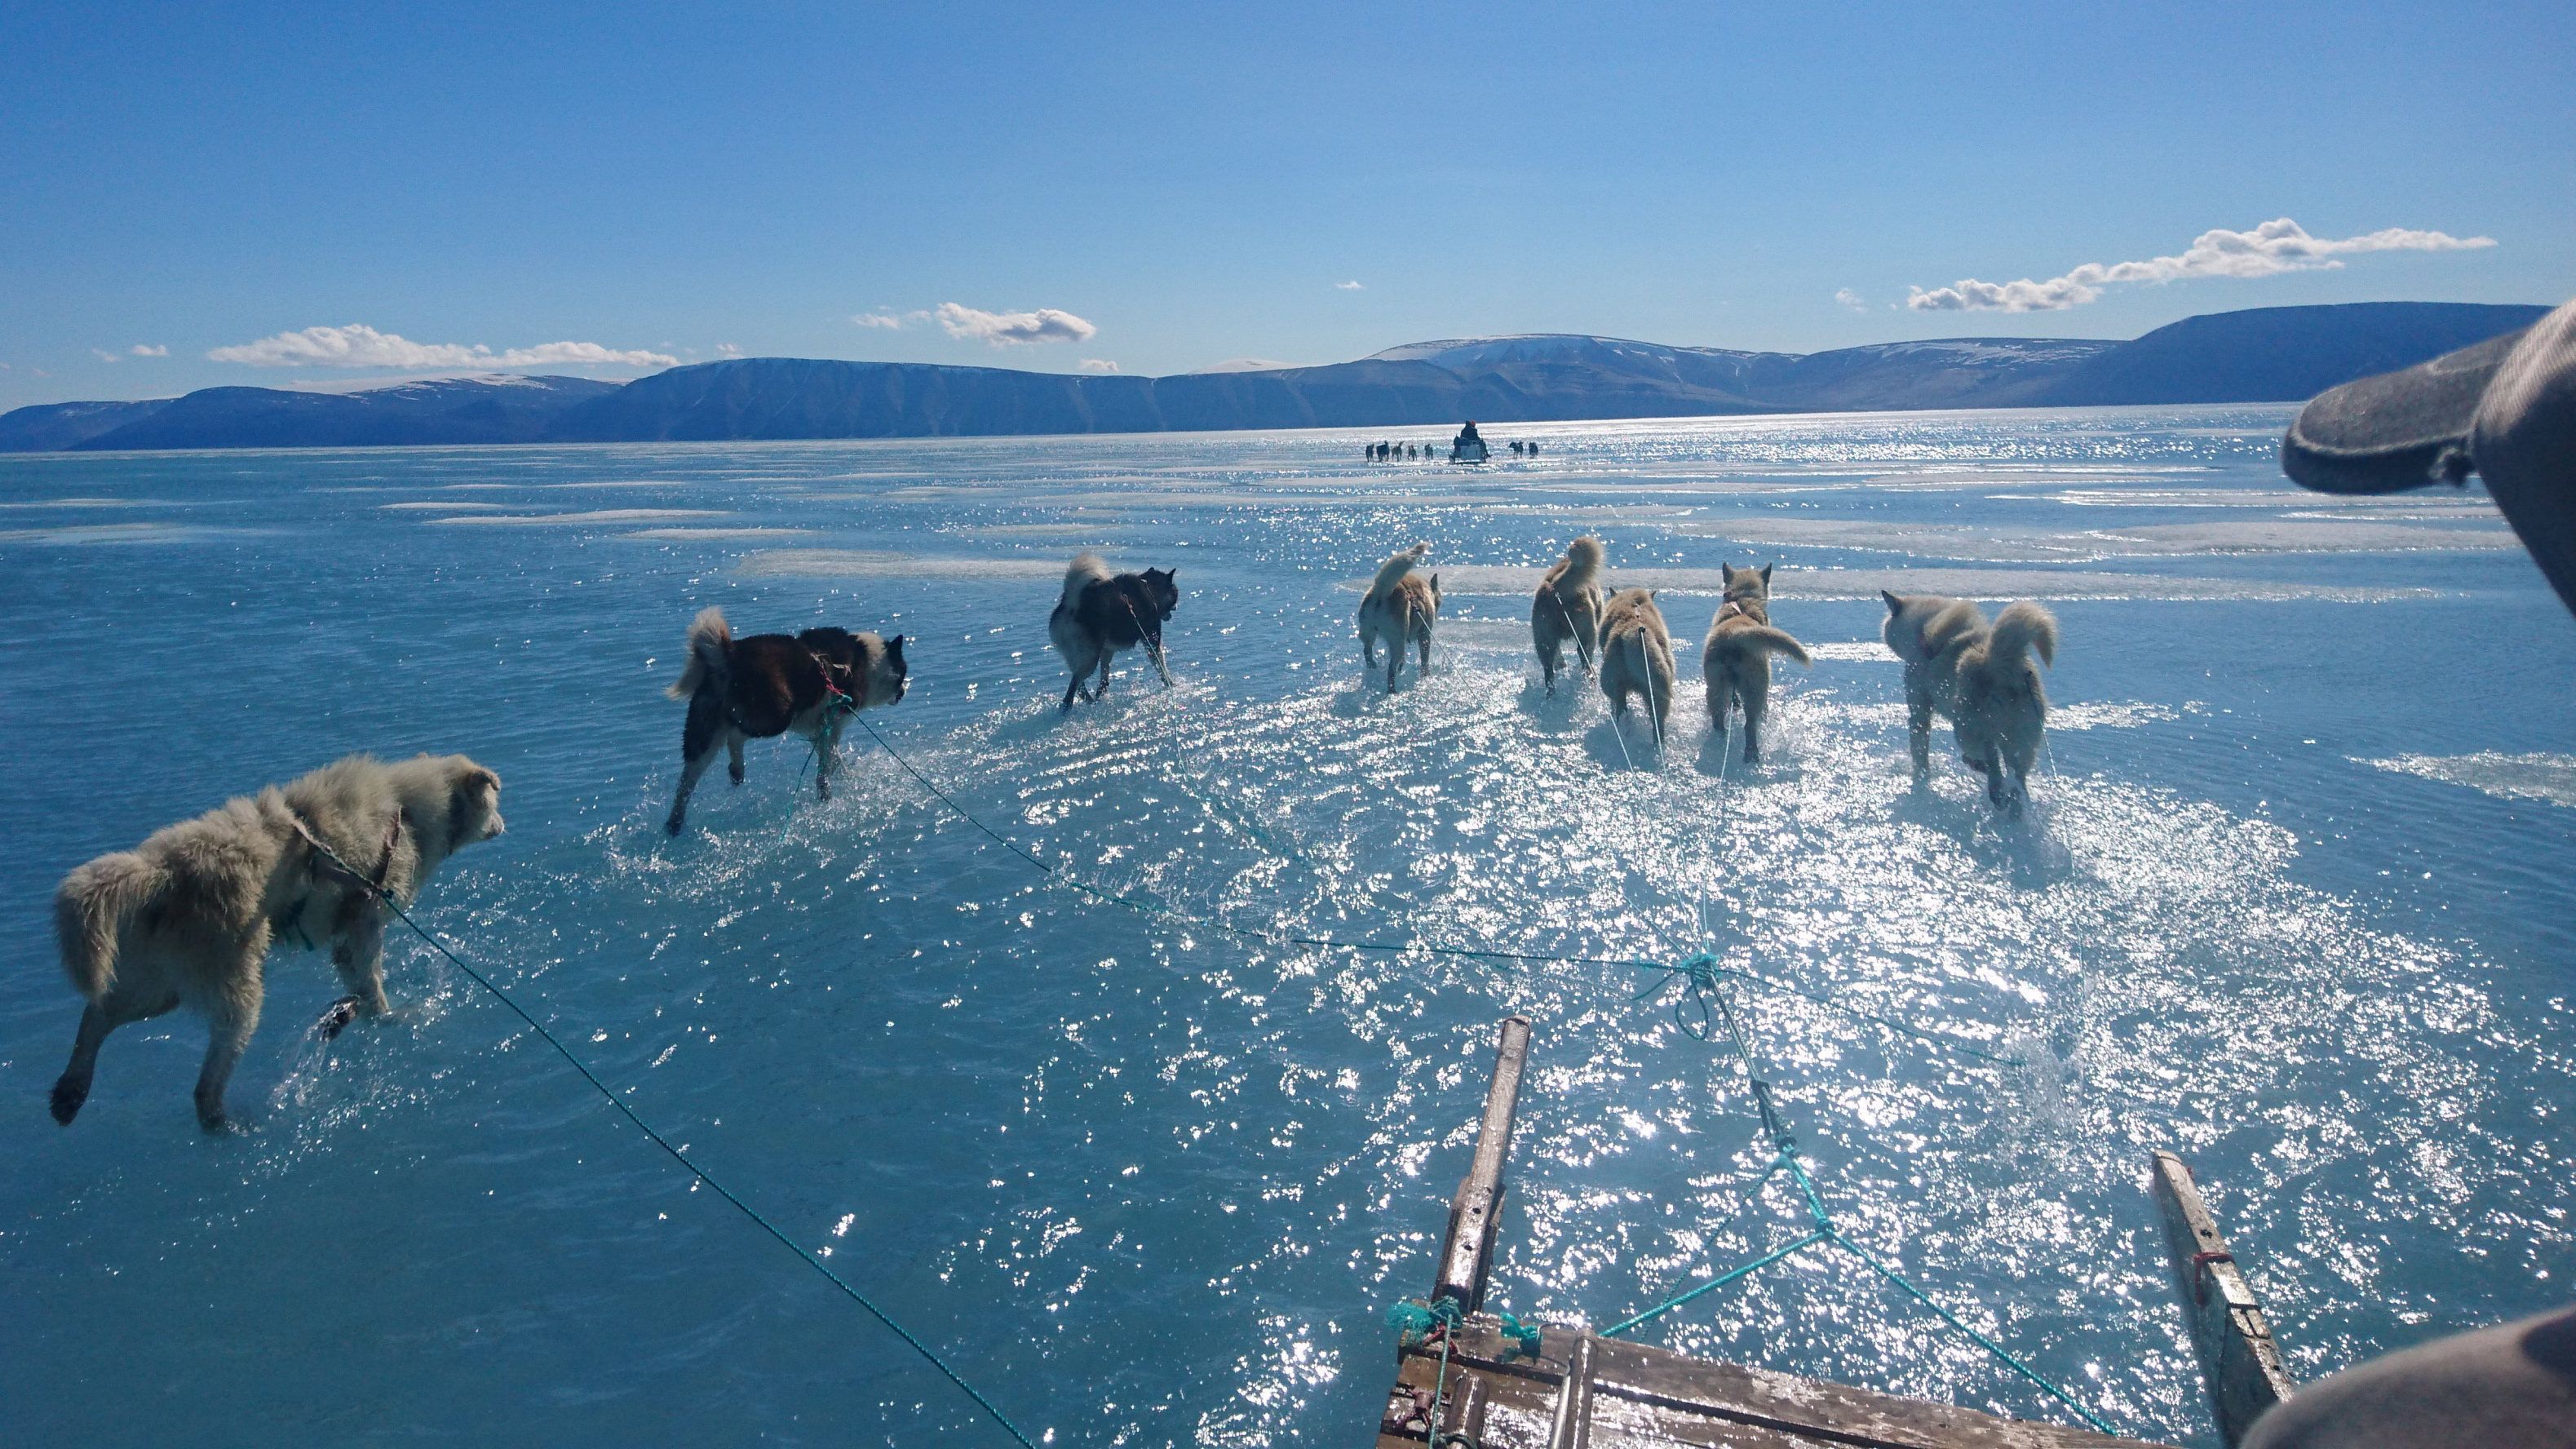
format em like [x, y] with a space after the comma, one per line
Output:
[2506, 411]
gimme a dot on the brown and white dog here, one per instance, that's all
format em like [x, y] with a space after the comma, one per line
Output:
[187, 917]
[1637, 656]
[769, 684]
[1567, 608]
[1399, 611]
[1979, 677]
[1736, 660]
[1100, 613]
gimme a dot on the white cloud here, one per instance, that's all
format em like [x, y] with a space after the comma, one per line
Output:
[2281, 245]
[1849, 298]
[1098, 364]
[357, 345]
[103, 355]
[1011, 329]
[886, 320]
[728, 349]
[1349, 287]
[143, 349]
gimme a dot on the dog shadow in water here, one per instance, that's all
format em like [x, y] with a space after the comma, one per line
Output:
[1629, 744]
[2026, 848]
[1554, 712]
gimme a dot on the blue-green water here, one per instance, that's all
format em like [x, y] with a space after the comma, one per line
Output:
[2295, 897]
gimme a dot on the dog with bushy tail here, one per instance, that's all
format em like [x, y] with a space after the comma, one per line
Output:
[1980, 677]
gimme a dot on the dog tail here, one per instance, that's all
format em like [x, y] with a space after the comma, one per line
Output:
[1397, 565]
[1778, 641]
[92, 910]
[1583, 560]
[1085, 570]
[710, 637]
[2024, 628]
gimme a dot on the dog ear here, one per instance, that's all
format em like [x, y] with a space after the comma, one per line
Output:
[894, 647]
[1766, 576]
[1726, 573]
[1894, 604]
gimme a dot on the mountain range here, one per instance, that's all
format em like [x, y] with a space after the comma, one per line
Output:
[2271, 354]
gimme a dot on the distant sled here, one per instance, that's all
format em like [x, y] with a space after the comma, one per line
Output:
[1467, 447]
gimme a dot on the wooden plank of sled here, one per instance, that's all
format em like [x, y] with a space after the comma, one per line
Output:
[1503, 1411]
[2228, 1328]
[1467, 1250]
[1814, 1407]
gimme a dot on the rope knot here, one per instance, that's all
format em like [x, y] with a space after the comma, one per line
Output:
[1523, 1336]
[1416, 1324]
[1692, 1010]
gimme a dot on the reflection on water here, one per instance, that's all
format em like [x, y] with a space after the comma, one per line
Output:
[1150, 1176]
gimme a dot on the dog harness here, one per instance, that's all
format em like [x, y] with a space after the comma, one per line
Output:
[320, 858]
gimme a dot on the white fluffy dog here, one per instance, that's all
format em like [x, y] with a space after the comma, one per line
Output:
[187, 917]
[1980, 678]
[1399, 609]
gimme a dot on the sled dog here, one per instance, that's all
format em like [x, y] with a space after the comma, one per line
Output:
[766, 685]
[1399, 609]
[1637, 656]
[1736, 660]
[187, 917]
[1980, 678]
[1568, 607]
[1100, 613]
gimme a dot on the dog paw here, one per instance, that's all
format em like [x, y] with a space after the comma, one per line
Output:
[68, 1097]
[735, 774]
[337, 1019]
[672, 825]
[218, 1125]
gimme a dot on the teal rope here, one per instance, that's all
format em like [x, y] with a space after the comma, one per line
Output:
[1414, 1324]
[1988, 1344]
[1720, 1281]
[682, 1158]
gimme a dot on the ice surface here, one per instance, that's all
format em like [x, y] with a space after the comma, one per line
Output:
[2508, 777]
[1152, 1182]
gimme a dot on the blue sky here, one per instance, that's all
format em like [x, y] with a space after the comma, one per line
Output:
[1188, 184]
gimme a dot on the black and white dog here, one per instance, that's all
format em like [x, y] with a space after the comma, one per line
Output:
[766, 685]
[1100, 613]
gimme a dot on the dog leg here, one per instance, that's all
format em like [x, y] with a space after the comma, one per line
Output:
[1100, 690]
[1425, 671]
[359, 954]
[1918, 727]
[230, 1023]
[698, 740]
[1547, 656]
[1754, 707]
[1368, 651]
[1394, 662]
[733, 754]
[72, 1088]
[1072, 688]
[689, 774]
[827, 754]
